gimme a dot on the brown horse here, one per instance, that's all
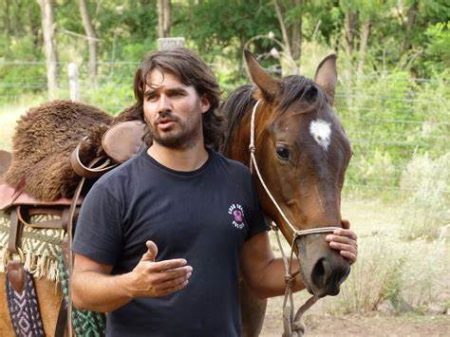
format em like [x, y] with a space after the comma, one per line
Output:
[302, 153]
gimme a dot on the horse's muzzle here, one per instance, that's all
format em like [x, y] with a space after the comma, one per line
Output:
[323, 270]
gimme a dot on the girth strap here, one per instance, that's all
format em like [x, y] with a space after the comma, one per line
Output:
[23, 305]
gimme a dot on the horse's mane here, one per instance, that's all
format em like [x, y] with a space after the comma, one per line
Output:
[292, 89]
[234, 108]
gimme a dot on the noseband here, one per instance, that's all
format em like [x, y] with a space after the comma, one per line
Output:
[293, 327]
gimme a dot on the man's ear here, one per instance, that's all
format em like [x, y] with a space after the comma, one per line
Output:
[204, 104]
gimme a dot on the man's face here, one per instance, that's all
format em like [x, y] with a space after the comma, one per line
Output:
[173, 111]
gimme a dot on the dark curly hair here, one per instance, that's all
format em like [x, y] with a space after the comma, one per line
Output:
[191, 70]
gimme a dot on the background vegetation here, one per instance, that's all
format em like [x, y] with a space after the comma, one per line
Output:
[393, 98]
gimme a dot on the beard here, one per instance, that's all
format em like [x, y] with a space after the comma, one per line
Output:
[183, 135]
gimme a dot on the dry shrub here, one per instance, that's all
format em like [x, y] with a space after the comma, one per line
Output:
[425, 183]
[410, 275]
[374, 278]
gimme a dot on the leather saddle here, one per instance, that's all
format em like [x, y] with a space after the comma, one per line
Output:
[120, 142]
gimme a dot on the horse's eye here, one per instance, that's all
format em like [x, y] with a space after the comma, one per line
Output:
[283, 152]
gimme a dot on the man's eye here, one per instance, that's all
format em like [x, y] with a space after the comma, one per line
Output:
[177, 94]
[150, 97]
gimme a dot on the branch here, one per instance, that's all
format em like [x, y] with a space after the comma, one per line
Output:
[282, 27]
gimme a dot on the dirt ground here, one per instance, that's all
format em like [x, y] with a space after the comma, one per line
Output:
[375, 325]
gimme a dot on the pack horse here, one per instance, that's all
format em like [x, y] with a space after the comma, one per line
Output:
[285, 130]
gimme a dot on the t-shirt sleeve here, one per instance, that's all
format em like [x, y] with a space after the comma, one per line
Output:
[98, 233]
[257, 223]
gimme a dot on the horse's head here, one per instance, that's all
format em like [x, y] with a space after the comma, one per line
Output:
[302, 153]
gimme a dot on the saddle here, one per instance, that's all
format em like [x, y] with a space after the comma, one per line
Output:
[99, 150]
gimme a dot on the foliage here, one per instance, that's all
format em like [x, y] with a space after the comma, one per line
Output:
[410, 276]
[425, 184]
[437, 52]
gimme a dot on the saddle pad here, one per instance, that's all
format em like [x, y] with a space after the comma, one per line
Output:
[8, 198]
[24, 309]
[123, 140]
[41, 247]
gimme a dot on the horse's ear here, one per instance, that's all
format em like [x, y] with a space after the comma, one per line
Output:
[268, 85]
[326, 75]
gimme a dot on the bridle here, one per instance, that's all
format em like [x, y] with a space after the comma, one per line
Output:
[293, 327]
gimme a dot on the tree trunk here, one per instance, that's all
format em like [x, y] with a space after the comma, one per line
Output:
[411, 21]
[48, 29]
[90, 33]
[296, 36]
[350, 22]
[363, 41]
[164, 18]
[6, 19]
[288, 64]
[283, 29]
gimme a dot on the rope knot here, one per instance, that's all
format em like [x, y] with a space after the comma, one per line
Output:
[289, 280]
[252, 148]
[298, 328]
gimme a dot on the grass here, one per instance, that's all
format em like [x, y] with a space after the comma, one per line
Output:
[9, 114]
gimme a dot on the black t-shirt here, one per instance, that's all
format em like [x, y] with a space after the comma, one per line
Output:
[203, 216]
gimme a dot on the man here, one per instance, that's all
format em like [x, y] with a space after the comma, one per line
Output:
[154, 247]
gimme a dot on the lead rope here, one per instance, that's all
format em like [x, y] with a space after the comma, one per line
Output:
[293, 326]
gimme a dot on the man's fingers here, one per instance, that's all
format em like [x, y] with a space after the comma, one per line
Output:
[165, 265]
[174, 283]
[172, 274]
[350, 252]
[341, 239]
[351, 257]
[170, 290]
[345, 232]
[152, 251]
[343, 246]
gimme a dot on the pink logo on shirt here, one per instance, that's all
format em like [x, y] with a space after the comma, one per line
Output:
[237, 211]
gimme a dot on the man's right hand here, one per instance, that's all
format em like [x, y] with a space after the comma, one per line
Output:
[156, 279]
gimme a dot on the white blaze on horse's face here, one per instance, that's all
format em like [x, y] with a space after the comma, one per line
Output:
[321, 132]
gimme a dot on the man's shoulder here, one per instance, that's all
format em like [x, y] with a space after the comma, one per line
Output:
[231, 164]
[234, 164]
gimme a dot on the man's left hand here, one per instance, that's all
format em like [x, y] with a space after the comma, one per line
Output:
[345, 241]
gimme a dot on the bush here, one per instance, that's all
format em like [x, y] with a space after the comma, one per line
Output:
[410, 275]
[375, 278]
[425, 184]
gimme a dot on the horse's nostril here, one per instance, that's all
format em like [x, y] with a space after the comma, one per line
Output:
[319, 274]
[327, 277]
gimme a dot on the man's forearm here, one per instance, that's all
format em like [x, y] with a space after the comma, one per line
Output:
[272, 281]
[99, 292]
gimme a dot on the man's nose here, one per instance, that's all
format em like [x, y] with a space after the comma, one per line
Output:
[164, 104]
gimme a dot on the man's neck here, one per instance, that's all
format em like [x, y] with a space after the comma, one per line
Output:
[189, 159]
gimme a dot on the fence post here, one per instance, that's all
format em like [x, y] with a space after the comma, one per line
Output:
[170, 42]
[74, 85]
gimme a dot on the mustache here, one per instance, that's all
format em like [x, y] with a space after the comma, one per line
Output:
[166, 116]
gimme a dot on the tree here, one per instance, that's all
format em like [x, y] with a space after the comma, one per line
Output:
[48, 29]
[164, 18]
[291, 31]
[92, 39]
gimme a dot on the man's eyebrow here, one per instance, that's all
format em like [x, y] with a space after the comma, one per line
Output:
[177, 89]
[149, 92]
